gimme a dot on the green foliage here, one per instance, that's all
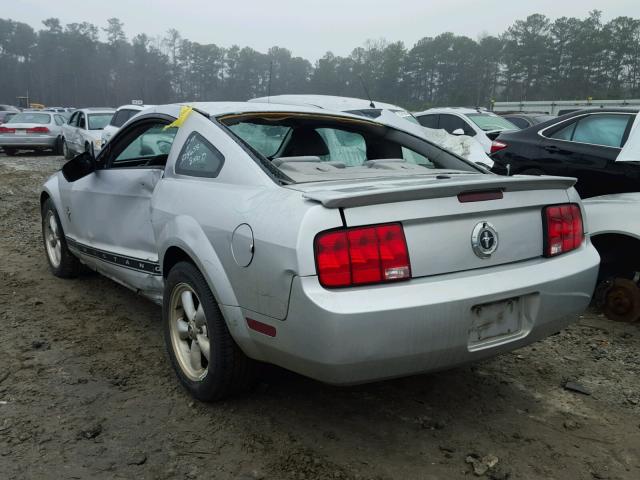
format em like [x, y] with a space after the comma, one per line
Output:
[534, 59]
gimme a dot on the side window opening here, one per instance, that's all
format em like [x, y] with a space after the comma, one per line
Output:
[150, 146]
[600, 129]
[565, 133]
[429, 121]
[606, 130]
[199, 158]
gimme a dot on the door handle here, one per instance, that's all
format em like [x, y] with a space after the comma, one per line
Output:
[553, 149]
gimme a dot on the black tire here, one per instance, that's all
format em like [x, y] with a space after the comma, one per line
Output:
[10, 152]
[65, 150]
[230, 371]
[69, 265]
[531, 171]
[57, 148]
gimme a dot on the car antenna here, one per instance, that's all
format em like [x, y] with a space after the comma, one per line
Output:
[269, 84]
[366, 90]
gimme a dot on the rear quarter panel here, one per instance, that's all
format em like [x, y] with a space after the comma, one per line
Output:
[200, 215]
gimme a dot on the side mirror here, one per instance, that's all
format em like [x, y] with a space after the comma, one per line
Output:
[78, 167]
[458, 131]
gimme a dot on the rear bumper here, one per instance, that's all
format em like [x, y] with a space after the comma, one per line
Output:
[27, 141]
[373, 333]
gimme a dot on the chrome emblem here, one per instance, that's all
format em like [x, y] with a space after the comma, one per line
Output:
[484, 240]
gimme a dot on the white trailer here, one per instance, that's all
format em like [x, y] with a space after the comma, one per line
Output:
[556, 107]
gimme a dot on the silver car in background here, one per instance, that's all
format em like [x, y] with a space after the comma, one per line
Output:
[263, 244]
[32, 131]
[83, 133]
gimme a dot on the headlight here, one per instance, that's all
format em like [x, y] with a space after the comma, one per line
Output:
[97, 143]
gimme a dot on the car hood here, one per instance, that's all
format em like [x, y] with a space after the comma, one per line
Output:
[93, 134]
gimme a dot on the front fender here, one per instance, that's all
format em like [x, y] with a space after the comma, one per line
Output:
[51, 189]
[185, 233]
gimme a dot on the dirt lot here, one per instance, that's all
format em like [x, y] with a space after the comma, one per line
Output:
[86, 391]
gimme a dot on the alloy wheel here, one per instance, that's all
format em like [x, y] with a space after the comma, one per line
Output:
[189, 332]
[52, 239]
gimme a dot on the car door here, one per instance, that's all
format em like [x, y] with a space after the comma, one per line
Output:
[69, 129]
[451, 123]
[429, 120]
[587, 148]
[110, 209]
[80, 134]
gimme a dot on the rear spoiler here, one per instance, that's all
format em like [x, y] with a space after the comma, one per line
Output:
[402, 192]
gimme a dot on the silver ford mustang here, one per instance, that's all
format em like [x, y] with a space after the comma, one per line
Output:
[343, 248]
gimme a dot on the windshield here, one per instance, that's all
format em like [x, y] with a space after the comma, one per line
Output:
[97, 121]
[488, 122]
[311, 147]
[39, 118]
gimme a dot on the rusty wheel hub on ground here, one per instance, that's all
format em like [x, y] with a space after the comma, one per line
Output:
[621, 300]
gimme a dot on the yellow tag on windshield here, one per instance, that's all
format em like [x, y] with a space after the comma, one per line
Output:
[185, 111]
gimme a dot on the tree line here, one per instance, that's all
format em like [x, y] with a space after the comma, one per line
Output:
[81, 64]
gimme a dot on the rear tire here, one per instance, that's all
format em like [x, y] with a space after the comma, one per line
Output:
[10, 152]
[62, 262]
[196, 330]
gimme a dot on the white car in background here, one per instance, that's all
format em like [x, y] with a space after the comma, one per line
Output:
[122, 116]
[480, 124]
[356, 106]
[83, 133]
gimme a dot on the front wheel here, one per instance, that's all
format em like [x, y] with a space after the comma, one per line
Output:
[205, 357]
[62, 262]
[65, 150]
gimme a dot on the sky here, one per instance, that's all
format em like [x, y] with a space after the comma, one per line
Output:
[308, 28]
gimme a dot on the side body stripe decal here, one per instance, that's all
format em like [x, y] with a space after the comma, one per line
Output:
[131, 263]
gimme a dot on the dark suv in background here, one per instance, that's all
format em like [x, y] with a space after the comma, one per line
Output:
[583, 144]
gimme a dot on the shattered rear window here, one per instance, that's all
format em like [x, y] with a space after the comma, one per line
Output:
[314, 147]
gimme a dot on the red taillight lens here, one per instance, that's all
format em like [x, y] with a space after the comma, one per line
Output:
[362, 255]
[496, 146]
[563, 229]
[38, 130]
[332, 257]
[7, 130]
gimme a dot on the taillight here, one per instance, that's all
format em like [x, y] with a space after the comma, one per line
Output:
[38, 130]
[7, 130]
[563, 228]
[362, 255]
[496, 146]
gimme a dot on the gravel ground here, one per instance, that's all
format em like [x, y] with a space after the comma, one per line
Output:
[86, 391]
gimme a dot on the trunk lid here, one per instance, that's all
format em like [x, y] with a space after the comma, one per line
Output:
[438, 226]
[21, 128]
